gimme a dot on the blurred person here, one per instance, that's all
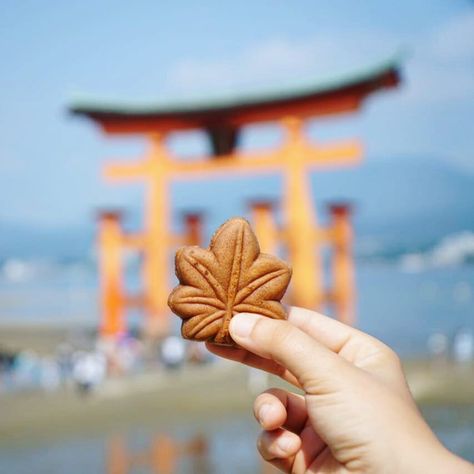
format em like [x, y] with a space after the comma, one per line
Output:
[356, 413]
[7, 360]
[64, 359]
[50, 374]
[26, 371]
[463, 346]
[128, 353]
[108, 349]
[438, 345]
[89, 371]
[7, 365]
[173, 352]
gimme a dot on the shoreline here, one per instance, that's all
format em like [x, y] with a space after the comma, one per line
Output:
[168, 398]
[188, 395]
[44, 338]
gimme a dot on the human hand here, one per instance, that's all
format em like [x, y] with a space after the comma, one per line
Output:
[355, 413]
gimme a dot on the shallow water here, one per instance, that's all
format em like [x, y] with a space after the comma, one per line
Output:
[401, 308]
[454, 426]
[230, 441]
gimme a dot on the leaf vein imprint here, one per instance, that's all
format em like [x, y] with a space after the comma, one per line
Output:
[209, 277]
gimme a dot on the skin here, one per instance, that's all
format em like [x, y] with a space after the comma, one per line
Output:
[354, 412]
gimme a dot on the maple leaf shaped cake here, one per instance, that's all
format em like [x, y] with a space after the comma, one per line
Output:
[230, 277]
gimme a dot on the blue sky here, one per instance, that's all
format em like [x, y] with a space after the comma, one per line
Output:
[54, 50]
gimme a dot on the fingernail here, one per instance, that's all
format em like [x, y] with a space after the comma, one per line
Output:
[286, 443]
[263, 412]
[241, 325]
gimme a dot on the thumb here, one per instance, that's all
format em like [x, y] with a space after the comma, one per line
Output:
[317, 368]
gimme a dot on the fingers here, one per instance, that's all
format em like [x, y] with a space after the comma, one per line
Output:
[248, 358]
[277, 408]
[328, 331]
[317, 368]
[279, 447]
[362, 350]
[289, 452]
[278, 443]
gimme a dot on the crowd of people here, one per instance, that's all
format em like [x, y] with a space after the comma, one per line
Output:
[85, 370]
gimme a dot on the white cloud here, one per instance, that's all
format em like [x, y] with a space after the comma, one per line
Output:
[431, 82]
[440, 69]
[280, 60]
[455, 40]
[438, 78]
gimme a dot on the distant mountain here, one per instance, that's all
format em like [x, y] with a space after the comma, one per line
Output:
[408, 200]
[398, 199]
[399, 203]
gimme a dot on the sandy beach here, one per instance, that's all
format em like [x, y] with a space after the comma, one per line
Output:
[169, 398]
[214, 400]
[44, 338]
[149, 399]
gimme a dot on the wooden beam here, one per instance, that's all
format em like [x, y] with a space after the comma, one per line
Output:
[344, 153]
[116, 171]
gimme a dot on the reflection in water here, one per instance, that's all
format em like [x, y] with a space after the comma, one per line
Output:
[161, 457]
[164, 455]
[229, 443]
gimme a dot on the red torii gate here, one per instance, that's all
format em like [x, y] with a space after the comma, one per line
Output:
[222, 122]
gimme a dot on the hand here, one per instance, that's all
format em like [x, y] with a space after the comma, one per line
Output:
[355, 412]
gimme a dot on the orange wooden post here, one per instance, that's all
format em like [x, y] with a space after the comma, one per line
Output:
[164, 455]
[343, 293]
[117, 459]
[306, 285]
[193, 229]
[111, 275]
[198, 449]
[264, 225]
[157, 238]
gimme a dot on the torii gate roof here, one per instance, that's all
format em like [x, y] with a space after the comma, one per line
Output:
[338, 95]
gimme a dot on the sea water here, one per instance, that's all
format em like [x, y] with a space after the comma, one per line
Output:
[402, 305]
[230, 442]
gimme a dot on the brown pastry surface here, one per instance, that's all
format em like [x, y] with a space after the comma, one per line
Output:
[229, 277]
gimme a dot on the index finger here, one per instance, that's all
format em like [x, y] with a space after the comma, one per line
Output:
[314, 365]
[328, 331]
[360, 349]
